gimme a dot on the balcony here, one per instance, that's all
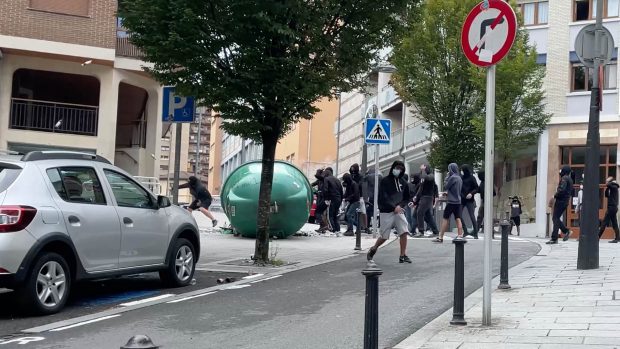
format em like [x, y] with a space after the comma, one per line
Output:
[124, 47]
[416, 134]
[388, 96]
[47, 116]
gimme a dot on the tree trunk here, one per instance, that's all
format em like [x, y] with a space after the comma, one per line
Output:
[261, 251]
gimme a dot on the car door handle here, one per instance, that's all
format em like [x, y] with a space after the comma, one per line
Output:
[74, 221]
[128, 221]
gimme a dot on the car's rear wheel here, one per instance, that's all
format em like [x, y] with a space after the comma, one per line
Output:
[182, 265]
[47, 285]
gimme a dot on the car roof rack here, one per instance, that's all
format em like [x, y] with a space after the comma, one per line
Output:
[63, 155]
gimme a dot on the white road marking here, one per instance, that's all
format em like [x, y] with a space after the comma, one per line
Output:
[265, 279]
[236, 287]
[146, 300]
[85, 323]
[252, 276]
[190, 297]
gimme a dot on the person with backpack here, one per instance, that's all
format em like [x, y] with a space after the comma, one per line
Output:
[393, 199]
[202, 197]
[468, 201]
[611, 216]
[559, 203]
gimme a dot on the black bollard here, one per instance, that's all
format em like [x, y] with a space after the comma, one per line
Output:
[140, 342]
[371, 319]
[458, 310]
[503, 274]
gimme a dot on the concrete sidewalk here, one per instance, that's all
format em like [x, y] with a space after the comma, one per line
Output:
[551, 305]
[225, 252]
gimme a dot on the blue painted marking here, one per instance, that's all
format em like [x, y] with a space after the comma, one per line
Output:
[115, 298]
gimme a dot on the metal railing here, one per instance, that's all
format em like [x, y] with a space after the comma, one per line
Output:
[387, 96]
[416, 134]
[48, 116]
[151, 183]
[125, 48]
[394, 146]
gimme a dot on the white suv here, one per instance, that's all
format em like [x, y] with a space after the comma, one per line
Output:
[68, 216]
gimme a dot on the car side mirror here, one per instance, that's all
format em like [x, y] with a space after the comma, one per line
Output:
[163, 201]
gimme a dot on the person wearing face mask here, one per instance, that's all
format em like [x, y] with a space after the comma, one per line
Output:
[333, 199]
[559, 203]
[414, 185]
[352, 197]
[393, 199]
[453, 185]
[469, 190]
[611, 216]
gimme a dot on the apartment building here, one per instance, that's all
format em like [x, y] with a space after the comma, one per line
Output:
[310, 144]
[553, 26]
[194, 157]
[70, 80]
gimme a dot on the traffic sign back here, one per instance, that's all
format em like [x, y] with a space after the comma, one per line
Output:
[489, 32]
[378, 131]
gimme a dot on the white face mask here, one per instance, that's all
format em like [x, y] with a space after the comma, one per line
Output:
[396, 172]
[581, 187]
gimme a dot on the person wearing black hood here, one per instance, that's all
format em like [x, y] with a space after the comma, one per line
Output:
[562, 198]
[481, 208]
[321, 207]
[469, 190]
[453, 185]
[611, 216]
[352, 197]
[393, 199]
[414, 185]
[333, 198]
[425, 199]
[202, 197]
[368, 193]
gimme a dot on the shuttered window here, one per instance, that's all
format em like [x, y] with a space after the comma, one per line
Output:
[69, 7]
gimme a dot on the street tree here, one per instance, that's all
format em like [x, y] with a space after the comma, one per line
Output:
[261, 64]
[435, 77]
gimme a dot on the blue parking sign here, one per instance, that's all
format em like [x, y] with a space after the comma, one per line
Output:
[177, 108]
[378, 131]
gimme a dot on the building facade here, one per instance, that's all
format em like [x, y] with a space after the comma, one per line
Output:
[70, 80]
[533, 175]
[310, 144]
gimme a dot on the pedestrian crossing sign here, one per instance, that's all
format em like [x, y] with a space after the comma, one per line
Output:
[378, 131]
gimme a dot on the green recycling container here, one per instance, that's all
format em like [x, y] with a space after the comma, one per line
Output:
[291, 199]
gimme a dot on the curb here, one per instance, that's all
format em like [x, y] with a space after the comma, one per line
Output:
[419, 338]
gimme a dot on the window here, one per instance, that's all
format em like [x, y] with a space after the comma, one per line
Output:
[77, 184]
[582, 77]
[127, 192]
[535, 13]
[584, 10]
[73, 7]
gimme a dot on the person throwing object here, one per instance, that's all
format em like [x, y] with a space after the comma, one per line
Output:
[202, 198]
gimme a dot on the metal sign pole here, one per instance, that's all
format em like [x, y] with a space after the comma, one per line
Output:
[375, 210]
[177, 162]
[489, 158]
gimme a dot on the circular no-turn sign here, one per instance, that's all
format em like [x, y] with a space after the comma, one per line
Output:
[489, 32]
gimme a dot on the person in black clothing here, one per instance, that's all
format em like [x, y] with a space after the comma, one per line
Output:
[611, 216]
[393, 199]
[562, 198]
[202, 197]
[352, 197]
[468, 191]
[414, 185]
[368, 193]
[354, 170]
[333, 198]
[425, 199]
[481, 208]
[321, 207]
[515, 214]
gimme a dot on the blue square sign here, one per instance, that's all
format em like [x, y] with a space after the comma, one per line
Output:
[177, 108]
[378, 131]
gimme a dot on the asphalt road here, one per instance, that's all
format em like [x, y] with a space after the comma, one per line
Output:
[318, 307]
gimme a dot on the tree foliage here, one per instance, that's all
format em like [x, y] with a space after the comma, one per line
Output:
[262, 64]
[435, 76]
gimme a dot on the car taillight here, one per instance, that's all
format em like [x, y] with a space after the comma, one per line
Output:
[4, 271]
[15, 218]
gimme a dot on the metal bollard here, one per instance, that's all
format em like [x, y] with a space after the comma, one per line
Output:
[358, 232]
[458, 310]
[140, 342]
[371, 319]
[503, 274]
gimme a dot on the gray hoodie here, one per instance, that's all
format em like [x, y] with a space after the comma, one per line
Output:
[454, 184]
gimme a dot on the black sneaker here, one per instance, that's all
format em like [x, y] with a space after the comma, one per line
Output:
[566, 235]
[214, 223]
[371, 253]
[404, 259]
[552, 242]
[614, 241]
[349, 233]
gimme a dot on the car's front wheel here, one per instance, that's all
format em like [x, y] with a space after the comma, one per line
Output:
[180, 270]
[47, 286]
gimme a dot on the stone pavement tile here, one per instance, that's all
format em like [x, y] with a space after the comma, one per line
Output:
[564, 314]
[515, 332]
[602, 341]
[544, 340]
[497, 346]
[554, 326]
[589, 320]
[448, 345]
[563, 303]
[467, 338]
[607, 313]
[584, 333]
[605, 327]
[576, 346]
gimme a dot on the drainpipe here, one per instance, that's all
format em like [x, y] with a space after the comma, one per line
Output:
[338, 134]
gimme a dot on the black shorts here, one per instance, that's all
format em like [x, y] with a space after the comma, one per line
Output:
[198, 204]
[453, 209]
[516, 220]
